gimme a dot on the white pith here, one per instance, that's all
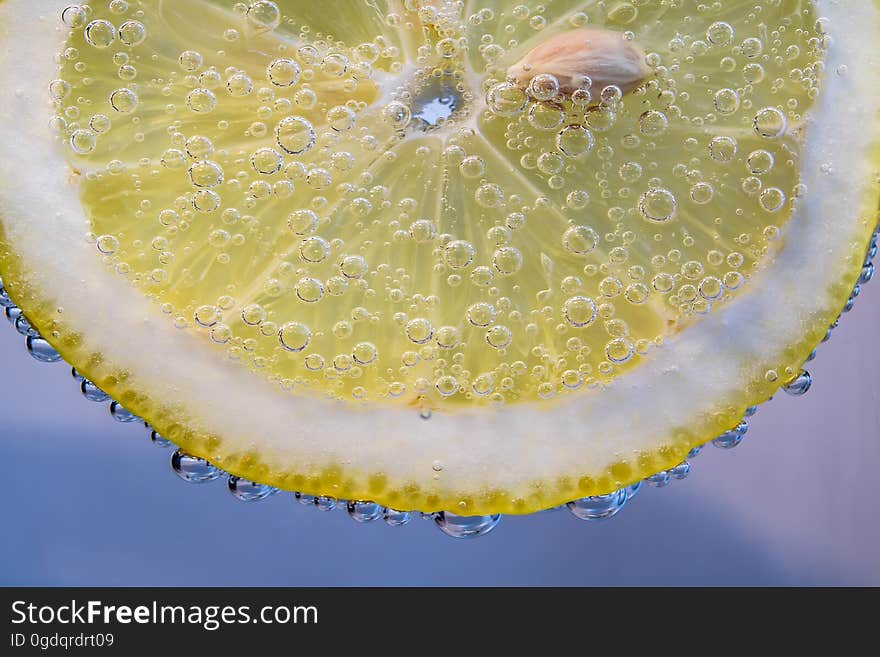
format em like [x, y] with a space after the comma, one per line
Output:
[486, 449]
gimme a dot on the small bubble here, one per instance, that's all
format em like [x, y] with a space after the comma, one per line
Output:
[206, 174]
[580, 311]
[543, 86]
[507, 99]
[653, 123]
[335, 65]
[722, 149]
[419, 330]
[266, 161]
[132, 33]
[574, 140]
[446, 386]
[489, 195]
[341, 118]
[283, 72]
[458, 254]
[770, 123]
[73, 16]
[580, 240]
[353, 266]
[309, 290]
[314, 249]
[263, 15]
[82, 141]
[365, 353]
[753, 73]
[302, 222]
[201, 100]
[295, 135]
[124, 100]
[59, 89]
[760, 162]
[726, 101]
[772, 199]
[447, 337]
[190, 60]
[397, 114]
[499, 337]
[422, 231]
[294, 336]
[107, 244]
[99, 123]
[205, 200]
[702, 193]
[253, 314]
[481, 314]
[546, 117]
[619, 350]
[473, 166]
[720, 34]
[711, 288]
[507, 260]
[100, 33]
[658, 205]
[207, 316]
[199, 147]
[239, 84]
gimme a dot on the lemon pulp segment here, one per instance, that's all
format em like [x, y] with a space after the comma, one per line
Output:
[285, 238]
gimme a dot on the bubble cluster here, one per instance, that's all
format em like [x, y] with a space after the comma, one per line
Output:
[388, 216]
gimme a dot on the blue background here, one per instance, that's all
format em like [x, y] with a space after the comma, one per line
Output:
[88, 501]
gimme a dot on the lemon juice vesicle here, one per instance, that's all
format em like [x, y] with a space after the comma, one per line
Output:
[462, 258]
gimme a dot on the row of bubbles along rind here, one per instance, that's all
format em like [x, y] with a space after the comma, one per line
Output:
[600, 507]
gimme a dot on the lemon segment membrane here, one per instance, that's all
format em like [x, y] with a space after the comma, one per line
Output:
[287, 243]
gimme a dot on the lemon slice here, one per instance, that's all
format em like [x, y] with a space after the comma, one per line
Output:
[408, 252]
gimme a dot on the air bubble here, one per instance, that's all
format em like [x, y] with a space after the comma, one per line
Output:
[266, 161]
[190, 61]
[653, 123]
[124, 101]
[760, 162]
[295, 135]
[458, 254]
[580, 311]
[248, 491]
[263, 15]
[465, 526]
[201, 100]
[82, 141]
[294, 336]
[364, 511]
[283, 72]
[770, 123]
[239, 84]
[132, 33]
[727, 101]
[720, 34]
[580, 240]
[658, 205]
[107, 244]
[100, 33]
[73, 16]
[499, 337]
[598, 507]
[543, 86]
[507, 99]
[574, 140]
[192, 468]
[723, 149]
[205, 174]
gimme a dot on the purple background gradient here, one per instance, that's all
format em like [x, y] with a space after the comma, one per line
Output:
[87, 501]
